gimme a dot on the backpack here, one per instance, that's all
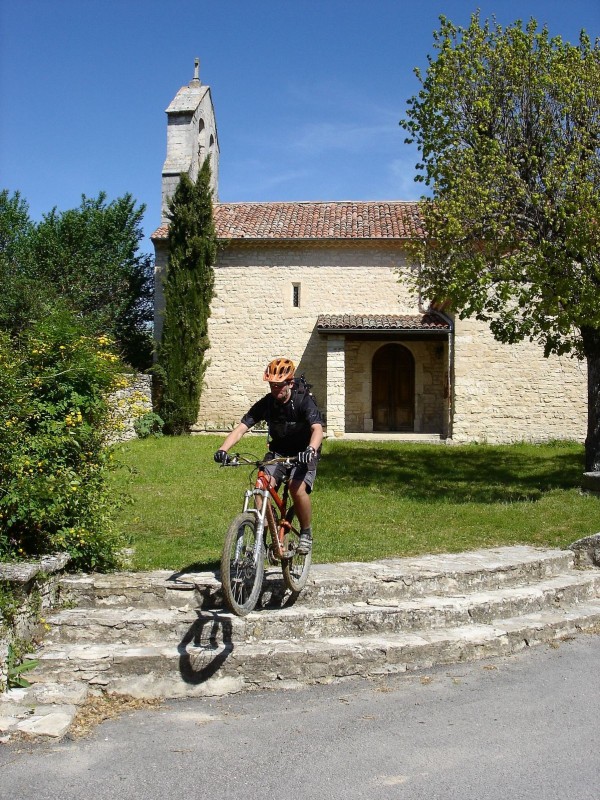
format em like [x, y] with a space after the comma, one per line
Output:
[302, 387]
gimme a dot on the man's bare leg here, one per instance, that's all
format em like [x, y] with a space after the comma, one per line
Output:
[303, 509]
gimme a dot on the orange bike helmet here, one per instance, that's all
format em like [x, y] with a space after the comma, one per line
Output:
[279, 370]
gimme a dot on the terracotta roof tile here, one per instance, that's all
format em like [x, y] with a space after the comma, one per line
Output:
[311, 220]
[364, 322]
[162, 232]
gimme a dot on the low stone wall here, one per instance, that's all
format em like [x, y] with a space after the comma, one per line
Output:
[33, 589]
[587, 551]
[128, 404]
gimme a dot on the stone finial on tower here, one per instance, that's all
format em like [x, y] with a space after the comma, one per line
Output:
[196, 79]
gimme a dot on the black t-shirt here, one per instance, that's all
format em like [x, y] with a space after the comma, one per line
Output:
[289, 423]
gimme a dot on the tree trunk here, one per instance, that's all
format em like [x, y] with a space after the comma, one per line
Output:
[591, 344]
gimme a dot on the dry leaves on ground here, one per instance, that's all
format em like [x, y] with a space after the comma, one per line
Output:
[99, 708]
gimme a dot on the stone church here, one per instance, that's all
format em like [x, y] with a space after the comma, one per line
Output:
[318, 282]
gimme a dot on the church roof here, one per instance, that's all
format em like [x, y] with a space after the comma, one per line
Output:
[187, 99]
[430, 321]
[315, 220]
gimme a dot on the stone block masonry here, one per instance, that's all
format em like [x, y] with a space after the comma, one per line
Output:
[254, 320]
[499, 393]
[507, 393]
[31, 588]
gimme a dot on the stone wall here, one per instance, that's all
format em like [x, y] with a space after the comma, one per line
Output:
[253, 319]
[505, 393]
[34, 586]
[128, 404]
[498, 393]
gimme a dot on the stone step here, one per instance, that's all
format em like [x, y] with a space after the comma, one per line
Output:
[447, 573]
[160, 669]
[328, 584]
[43, 709]
[378, 614]
[144, 589]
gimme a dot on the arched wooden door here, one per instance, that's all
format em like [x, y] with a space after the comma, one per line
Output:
[393, 389]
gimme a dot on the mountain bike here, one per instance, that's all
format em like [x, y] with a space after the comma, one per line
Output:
[264, 531]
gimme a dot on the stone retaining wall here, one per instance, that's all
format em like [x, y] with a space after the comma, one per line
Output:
[34, 586]
[128, 404]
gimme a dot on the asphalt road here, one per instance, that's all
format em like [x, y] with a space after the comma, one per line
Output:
[524, 728]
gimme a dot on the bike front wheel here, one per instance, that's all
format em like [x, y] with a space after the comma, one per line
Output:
[241, 576]
[295, 566]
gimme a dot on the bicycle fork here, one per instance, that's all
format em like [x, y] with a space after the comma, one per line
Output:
[262, 494]
[259, 509]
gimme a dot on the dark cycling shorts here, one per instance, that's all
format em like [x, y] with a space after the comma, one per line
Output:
[299, 472]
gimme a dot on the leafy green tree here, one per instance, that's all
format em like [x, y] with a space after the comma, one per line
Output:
[21, 294]
[90, 255]
[87, 258]
[189, 289]
[508, 124]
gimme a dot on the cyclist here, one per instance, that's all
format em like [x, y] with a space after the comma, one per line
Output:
[295, 428]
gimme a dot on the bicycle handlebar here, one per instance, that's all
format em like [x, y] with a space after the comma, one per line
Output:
[237, 460]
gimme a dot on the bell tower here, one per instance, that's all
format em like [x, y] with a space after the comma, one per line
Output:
[191, 136]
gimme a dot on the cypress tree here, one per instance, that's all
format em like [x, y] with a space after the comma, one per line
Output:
[189, 290]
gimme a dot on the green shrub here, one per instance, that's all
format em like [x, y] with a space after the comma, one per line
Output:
[9, 604]
[54, 462]
[149, 424]
[16, 665]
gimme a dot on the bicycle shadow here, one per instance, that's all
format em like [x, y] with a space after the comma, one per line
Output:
[208, 642]
[211, 634]
[274, 593]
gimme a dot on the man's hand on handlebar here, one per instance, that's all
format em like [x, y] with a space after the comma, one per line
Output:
[222, 457]
[306, 456]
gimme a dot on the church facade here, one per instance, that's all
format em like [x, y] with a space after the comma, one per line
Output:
[320, 283]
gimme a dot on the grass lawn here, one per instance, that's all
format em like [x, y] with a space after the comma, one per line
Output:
[371, 500]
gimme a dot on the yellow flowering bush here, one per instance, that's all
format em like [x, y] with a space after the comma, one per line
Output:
[54, 458]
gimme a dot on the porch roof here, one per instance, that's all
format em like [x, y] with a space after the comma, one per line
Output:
[430, 322]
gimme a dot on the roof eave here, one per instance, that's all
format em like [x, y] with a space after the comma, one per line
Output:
[403, 331]
[317, 239]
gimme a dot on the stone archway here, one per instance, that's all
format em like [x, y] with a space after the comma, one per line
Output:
[393, 382]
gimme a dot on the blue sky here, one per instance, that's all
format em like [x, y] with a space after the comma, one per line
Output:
[307, 94]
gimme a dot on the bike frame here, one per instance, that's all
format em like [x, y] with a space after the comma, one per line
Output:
[260, 495]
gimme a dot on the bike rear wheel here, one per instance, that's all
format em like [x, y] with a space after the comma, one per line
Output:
[296, 567]
[240, 576]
